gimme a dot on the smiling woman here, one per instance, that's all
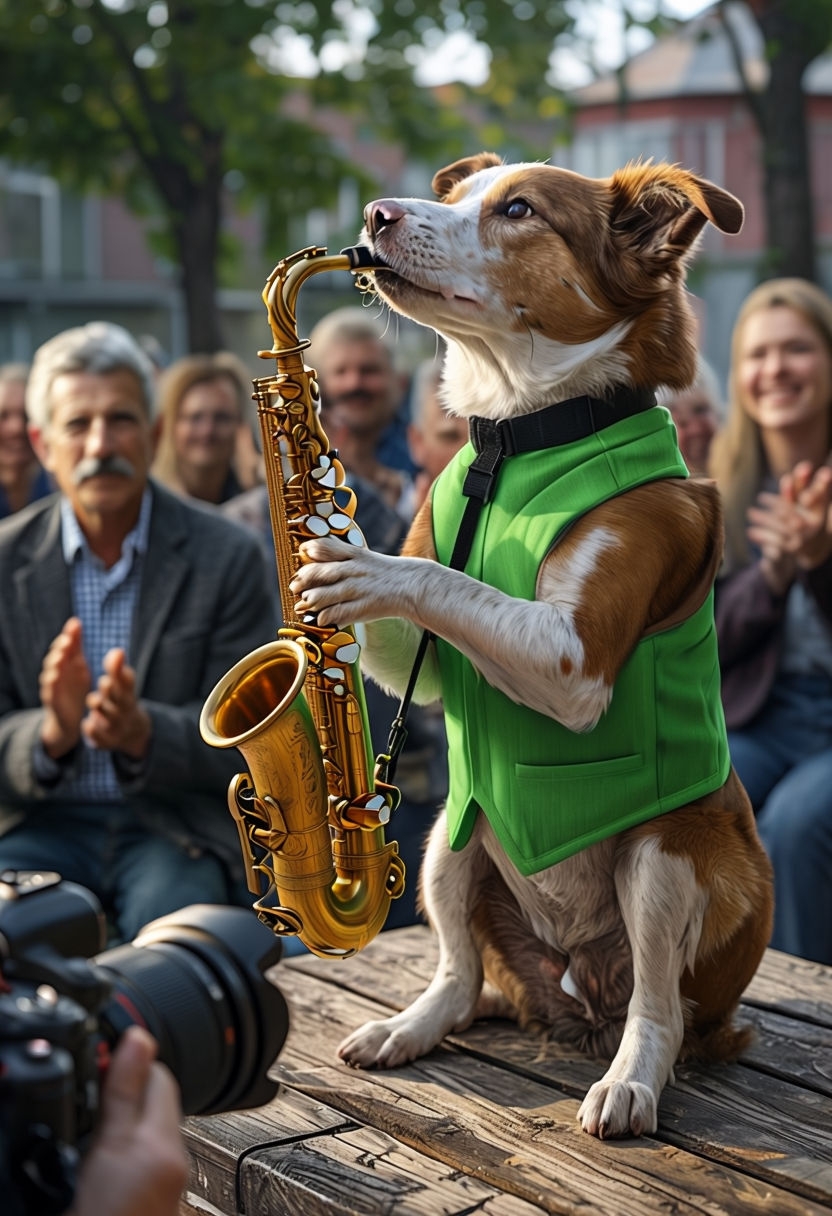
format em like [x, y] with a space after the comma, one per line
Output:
[205, 412]
[774, 601]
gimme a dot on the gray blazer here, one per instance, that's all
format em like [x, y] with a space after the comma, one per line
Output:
[204, 603]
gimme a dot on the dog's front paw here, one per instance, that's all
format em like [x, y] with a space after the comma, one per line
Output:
[618, 1108]
[380, 1045]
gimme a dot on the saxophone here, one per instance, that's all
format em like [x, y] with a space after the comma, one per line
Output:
[312, 808]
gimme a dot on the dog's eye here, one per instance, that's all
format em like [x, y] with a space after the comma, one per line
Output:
[518, 209]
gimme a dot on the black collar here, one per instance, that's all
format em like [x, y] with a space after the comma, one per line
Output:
[554, 425]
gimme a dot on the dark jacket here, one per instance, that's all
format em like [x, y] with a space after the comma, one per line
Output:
[749, 624]
[203, 604]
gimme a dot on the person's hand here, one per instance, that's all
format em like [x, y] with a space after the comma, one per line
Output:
[115, 719]
[136, 1165]
[64, 683]
[811, 492]
[791, 528]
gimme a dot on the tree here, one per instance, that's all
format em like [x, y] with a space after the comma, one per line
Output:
[794, 32]
[164, 99]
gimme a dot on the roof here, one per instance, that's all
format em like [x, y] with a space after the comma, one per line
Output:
[696, 59]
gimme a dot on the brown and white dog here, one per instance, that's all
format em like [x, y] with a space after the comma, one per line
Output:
[547, 285]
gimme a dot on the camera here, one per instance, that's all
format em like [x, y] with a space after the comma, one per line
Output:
[194, 979]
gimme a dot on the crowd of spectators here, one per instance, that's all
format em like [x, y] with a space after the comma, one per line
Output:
[136, 567]
[771, 462]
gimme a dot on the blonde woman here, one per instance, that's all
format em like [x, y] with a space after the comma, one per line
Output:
[774, 600]
[205, 407]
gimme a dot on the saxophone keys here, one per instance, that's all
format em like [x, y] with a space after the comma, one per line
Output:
[326, 474]
[337, 680]
[342, 648]
[290, 391]
[284, 921]
[396, 876]
[315, 526]
[370, 811]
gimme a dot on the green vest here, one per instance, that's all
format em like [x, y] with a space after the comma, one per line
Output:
[547, 791]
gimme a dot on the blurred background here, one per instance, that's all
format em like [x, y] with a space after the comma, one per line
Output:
[157, 157]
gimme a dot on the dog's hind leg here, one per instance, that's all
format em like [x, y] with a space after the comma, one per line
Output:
[663, 907]
[450, 882]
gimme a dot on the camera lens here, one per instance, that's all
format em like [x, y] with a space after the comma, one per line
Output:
[195, 979]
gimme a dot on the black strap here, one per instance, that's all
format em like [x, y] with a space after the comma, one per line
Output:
[554, 425]
[386, 763]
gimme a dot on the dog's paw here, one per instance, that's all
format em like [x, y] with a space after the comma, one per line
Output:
[380, 1045]
[618, 1108]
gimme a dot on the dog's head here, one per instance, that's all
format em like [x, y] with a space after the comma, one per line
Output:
[545, 282]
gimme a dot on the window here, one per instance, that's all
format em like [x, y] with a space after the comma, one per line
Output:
[30, 217]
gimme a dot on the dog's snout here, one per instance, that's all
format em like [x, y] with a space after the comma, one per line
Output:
[381, 214]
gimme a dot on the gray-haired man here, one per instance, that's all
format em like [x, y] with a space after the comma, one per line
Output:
[122, 606]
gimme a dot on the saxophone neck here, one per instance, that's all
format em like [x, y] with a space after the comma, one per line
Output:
[281, 293]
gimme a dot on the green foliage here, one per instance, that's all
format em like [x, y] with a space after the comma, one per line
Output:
[119, 93]
[179, 104]
[810, 23]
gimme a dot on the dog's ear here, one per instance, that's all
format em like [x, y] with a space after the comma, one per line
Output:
[445, 180]
[661, 210]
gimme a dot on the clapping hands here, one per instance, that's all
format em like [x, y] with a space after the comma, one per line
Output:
[109, 715]
[793, 527]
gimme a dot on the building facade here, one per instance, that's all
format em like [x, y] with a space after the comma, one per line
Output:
[682, 101]
[66, 259]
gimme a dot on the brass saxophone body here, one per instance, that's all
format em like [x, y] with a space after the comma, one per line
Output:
[311, 810]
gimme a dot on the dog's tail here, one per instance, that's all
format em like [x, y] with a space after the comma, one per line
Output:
[715, 1041]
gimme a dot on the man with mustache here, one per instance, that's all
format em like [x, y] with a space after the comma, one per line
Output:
[122, 607]
[361, 391]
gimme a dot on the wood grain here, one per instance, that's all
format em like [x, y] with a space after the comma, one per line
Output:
[487, 1122]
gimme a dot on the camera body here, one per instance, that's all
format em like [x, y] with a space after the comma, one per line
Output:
[195, 979]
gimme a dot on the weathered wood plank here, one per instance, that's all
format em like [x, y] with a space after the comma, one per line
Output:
[397, 966]
[324, 1159]
[399, 963]
[519, 1134]
[191, 1205]
[793, 987]
[791, 1049]
[748, 1118]
[365, 1172]
[487, 1122]
[786, 1047]
[215, 1143]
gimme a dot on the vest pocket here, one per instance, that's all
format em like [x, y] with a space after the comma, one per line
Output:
[562, 805]
[556, 775]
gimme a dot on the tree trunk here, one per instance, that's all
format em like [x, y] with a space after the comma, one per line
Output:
[785, 134]
[193, 202]
[197, 241]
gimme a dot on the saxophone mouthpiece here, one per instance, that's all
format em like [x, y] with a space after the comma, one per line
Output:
[360, 257]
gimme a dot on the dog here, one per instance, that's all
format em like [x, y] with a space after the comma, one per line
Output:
[575, 653]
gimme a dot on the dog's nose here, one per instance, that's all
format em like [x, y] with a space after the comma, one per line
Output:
[381, 214]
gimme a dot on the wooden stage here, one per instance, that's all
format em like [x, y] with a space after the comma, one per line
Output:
[486, 1123]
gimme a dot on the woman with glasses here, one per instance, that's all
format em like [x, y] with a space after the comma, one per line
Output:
[204, 406]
